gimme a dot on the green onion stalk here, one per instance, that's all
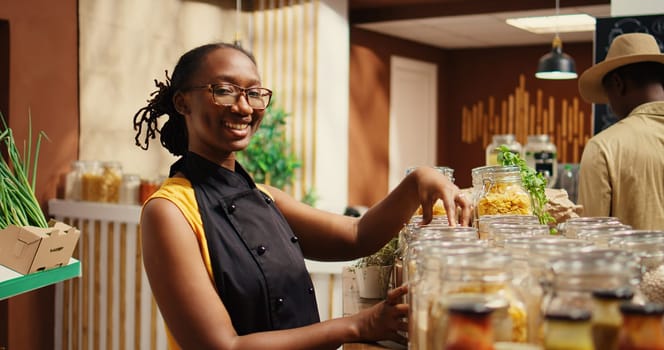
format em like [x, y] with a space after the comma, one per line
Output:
[534, 182]
[18, 174]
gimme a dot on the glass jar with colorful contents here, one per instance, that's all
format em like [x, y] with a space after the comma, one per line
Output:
[487, 276]
[502, 193]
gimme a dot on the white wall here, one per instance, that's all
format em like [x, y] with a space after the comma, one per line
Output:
[636, 7]
[332, 90]
[302, 52]
[124, 46]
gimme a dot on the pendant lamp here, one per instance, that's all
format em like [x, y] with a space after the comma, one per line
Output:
[556, 64]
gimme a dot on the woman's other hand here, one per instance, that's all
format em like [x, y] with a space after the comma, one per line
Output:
[386, 320]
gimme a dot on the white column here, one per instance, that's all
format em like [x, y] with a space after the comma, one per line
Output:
[332, 91]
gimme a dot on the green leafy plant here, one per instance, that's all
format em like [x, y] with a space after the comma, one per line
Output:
[534, 182]
[18, 174]
[269, 158]
[383, 257]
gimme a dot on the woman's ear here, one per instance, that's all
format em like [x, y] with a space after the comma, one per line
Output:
[181, 104]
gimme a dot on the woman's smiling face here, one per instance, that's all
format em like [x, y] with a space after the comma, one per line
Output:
[216, 132]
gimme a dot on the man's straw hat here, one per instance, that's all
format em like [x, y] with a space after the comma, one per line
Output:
[625, 49]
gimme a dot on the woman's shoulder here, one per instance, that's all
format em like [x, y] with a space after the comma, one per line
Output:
[179, 191]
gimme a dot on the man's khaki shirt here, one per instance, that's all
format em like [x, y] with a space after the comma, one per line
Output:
[622, 170]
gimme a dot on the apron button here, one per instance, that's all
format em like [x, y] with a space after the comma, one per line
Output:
[294, 239]
[279, 302]
[311, 290]
[268, 200]
[261, 250]
[232, 208]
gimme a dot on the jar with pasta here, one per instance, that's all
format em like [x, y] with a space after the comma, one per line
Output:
[427, 260]
[502, 193]
[438, 207]
[91, 181]
[487, 277]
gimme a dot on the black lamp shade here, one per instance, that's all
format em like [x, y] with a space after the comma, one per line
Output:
[556, 65]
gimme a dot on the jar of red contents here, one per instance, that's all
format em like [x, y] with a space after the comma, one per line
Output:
[642, 327]
[147, 188]
[469, 327]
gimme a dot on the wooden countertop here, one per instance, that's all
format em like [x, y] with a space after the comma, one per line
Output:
[352, 303]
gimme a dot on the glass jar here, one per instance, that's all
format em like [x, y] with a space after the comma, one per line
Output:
[498, 140]
[498, 232]
[650, 252]
[600, 234]
[541, 154]
[91, 181]
[426, 319]
[483, 223]
[606, 318]
[487, 276]
[444, 236]
[571, 227]
[503, 193]
[73, 181]
[568, 330]
[130, 189]
[470, 327]
[148, 187]
[447, 171]
[438, 206]
[642, 327]
[111, 178]
[576, 275]
[527, 273]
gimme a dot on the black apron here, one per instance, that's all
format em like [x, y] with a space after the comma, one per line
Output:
[257, 262]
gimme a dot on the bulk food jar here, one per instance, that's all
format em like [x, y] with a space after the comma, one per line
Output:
[486, 277]
[577, 275]
[426, 325]
[541, 154]
[650, 252]
[501, 193]
[499, 140]
[438, 207]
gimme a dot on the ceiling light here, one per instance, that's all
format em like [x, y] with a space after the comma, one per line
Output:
[556, 64]
[554, 24]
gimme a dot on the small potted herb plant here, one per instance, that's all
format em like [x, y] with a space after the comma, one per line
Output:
[372, 272]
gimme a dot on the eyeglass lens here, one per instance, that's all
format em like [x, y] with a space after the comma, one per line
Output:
[228, 94]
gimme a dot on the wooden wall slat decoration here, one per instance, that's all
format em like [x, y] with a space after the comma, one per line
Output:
[522, 115]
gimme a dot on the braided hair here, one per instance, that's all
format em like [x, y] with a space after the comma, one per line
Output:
[173, 134]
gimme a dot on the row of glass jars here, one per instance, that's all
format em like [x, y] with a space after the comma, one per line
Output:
[98, 181]
[497, 190]
[520, 272]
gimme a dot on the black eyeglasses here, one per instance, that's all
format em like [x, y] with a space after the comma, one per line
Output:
[226, 94]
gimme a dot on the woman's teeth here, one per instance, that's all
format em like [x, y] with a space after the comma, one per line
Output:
[236, 126]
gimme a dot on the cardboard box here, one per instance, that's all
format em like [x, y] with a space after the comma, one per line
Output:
[28, 249]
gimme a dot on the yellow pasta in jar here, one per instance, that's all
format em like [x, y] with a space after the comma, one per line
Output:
[504, 199]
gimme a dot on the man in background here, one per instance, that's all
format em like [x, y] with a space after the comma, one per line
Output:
[622, 168]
